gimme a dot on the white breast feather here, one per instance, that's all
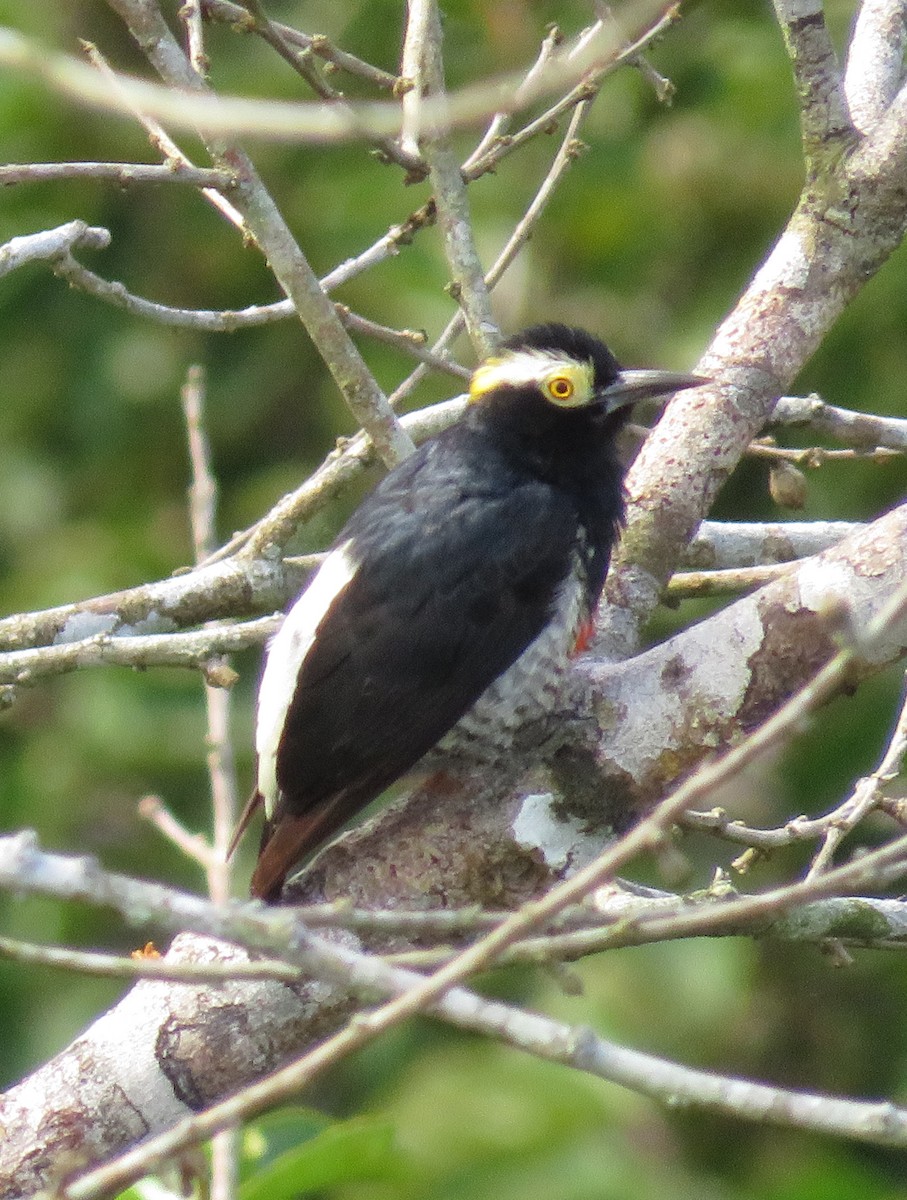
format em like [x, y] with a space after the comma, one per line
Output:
[286, 654]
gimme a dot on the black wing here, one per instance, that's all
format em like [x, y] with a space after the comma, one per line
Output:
[460, 559]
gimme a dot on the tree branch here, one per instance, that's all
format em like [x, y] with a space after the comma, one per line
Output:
[875, 61]
[275, 241]
[239, 117]
[122, 174]
[423, 68]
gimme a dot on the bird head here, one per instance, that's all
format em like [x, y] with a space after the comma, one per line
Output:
[570, 371]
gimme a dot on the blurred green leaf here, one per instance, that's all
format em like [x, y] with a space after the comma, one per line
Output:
[349, 1151]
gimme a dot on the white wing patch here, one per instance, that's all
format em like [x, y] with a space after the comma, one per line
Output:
[286, 654]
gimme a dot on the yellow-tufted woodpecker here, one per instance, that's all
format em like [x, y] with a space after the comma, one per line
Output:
[453, 598]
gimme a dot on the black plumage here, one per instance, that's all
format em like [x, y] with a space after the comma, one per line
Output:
[457, 565]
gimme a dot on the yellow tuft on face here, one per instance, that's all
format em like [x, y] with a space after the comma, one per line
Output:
[563, 382]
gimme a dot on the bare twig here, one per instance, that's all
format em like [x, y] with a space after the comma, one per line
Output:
[194, 649]
[221, 762]
[234, 14]
[409, 341]
[159, 137]
[275, 240]
[815, 456]
[567, 153]
[493, 148]
[385, 247]
[586, 89]
[202, 488]
[141, 966]
[191, 15]
[239, 117]
[500, 122]
[858, 429]
[423, 67]
[51, 245]
[221, 766]
[865, 797]
[210, 320]
[685, 585]
[123, 174]
[229, 320]
[302, 60]
[193, 845]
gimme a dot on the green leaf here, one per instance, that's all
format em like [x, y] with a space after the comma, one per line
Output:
[353, 1150]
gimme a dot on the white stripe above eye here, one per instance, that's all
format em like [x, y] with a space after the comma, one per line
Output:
[286, 654]
[516, 368]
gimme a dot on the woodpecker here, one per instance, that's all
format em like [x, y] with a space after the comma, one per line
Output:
[453, 598]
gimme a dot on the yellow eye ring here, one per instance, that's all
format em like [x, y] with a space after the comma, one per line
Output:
[560, 388]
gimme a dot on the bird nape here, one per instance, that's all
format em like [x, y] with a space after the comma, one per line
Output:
[452, 599]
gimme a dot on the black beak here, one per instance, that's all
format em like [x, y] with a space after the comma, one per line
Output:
[630, 386]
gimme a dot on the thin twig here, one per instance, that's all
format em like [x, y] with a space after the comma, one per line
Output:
[862, 430]
[613, 926]
[815, 456]
[219, 116]
[233, 14]
[275, 240]
[302, 60]
[191, 15]
[202, 488]
[51, 245]
[121, 173]
[193, 845]
[865, 797]
[194, 649]
[687, 585]
[229, 320]
[159, 137]
[500, 122]
[221, 761]
[567, 153]
[112, 966]
[831, 828]
[423, 67]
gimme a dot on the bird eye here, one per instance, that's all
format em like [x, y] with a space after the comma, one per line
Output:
[560, 388]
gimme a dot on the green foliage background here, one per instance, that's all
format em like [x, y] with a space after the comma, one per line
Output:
[656, 229]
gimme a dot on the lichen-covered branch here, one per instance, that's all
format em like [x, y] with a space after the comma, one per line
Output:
[875, 61]
[845, 226]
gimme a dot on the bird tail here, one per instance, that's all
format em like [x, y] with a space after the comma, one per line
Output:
[291, 838]
[253, 804]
